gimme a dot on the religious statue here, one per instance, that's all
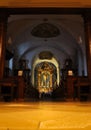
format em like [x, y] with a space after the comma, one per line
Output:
[45, 79]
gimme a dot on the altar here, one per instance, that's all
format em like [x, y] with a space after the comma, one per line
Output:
[45, 79]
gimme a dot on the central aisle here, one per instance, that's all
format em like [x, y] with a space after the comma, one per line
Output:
[45, 116]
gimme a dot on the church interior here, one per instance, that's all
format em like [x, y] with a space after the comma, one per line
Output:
[45, 57]
[45, 65]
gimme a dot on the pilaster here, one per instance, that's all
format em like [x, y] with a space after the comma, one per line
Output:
[3, 31]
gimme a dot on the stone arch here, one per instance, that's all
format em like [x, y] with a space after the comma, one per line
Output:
[37, 61]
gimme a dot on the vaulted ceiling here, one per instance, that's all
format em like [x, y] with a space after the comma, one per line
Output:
[69, 43]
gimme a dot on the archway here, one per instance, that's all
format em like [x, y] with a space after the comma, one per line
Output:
[45, 72]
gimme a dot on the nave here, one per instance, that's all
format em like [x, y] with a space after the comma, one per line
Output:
[45, 115]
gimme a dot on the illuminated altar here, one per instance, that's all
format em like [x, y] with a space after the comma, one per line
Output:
[45, 78]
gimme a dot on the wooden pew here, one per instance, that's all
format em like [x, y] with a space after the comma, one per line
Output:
[8, 87]
[16, 86]
[83, 87]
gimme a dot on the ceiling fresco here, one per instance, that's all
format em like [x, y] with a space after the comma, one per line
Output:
[45, 30]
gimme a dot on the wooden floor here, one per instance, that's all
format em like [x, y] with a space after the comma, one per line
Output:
[45, 115]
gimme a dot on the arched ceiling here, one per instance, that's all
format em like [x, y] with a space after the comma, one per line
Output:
[66, 44]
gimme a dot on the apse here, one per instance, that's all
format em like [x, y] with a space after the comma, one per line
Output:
[45, 62]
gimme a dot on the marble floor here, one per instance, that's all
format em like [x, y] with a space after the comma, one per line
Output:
[45, 116]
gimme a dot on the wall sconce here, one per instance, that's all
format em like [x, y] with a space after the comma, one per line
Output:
[70, 72]
[20, 73]
[9, 40]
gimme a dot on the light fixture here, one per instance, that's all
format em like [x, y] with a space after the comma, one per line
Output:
[70, 72]
[9, 40]
[20, 73]
[80, 40]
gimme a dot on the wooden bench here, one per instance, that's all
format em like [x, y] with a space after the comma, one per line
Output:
[83, 88]
[8, 87]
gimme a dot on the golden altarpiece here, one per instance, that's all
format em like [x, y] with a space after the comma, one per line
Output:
[45, 77]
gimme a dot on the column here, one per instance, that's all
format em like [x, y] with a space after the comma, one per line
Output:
[3, 30]
[21, 88]
[87, 23]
